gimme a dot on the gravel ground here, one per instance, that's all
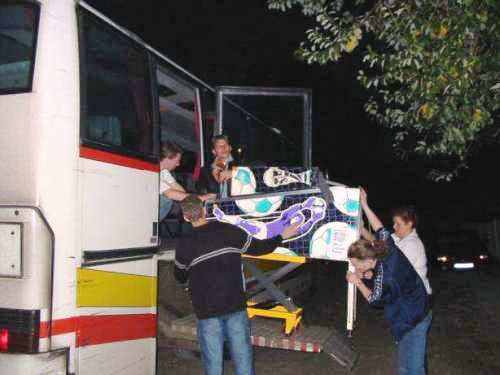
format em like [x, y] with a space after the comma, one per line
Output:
[464, 337]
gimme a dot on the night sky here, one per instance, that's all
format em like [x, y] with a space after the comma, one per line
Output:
[241, 43]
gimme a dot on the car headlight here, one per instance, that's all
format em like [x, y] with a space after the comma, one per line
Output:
[483, 256]
[442, 259]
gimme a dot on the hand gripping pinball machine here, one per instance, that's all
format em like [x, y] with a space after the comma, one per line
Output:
[274, 186]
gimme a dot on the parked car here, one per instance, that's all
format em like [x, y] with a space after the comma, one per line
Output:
[460, 251]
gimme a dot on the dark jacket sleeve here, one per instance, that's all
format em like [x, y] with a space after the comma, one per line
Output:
[206, 182]
[240, 239]
[387, 295]
[253, 246]
[384, 290]
[384, 235]
[181, 273]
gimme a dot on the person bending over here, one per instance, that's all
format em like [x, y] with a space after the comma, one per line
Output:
[397, 288]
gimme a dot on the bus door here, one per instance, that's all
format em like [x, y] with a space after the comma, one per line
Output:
[118, 175]
[179, 118]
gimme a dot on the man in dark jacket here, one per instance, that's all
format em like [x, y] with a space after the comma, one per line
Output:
[211, 259]
[215, 177]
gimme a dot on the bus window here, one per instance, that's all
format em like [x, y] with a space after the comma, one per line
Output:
[265, 129]
[18, 29]
[115, 91]
[179, 119]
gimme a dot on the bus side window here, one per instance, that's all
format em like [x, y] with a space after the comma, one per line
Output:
[180, 123]
[18, 33]
[115, 91]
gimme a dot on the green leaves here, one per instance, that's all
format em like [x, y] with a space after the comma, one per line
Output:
[433, 68]
[309, 7]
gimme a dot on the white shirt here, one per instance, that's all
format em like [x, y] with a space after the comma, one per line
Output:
[166, 180]
[413, 248]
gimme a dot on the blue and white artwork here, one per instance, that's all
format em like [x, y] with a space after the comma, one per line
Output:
[276, 177]
[305, 214]
[275, 197]
[272, 179]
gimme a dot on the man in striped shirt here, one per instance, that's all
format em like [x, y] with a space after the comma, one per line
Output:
[210, 258]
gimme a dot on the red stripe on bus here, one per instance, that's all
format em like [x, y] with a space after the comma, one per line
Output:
[124, 161]
[59, 327]
[102, 329]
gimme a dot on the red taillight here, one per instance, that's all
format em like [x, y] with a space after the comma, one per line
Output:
[19, 331]
[4, 339]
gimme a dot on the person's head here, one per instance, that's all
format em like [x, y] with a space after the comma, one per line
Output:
[221, 147]
[192, 209]
[170, 156]
[404, 220]
[364, 254]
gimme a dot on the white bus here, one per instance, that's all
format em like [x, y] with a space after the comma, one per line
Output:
[84, 106]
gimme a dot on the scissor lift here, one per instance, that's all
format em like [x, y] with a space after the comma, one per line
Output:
[266, 299]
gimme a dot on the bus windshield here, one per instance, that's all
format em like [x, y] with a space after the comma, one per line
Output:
[18, 26]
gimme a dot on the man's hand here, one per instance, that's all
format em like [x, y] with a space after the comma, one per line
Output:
[220, 163]
[352, 278]
[221, 175]
[215, 173]
[359, 274]
[367, 274]
[225, 175]
[290, 231]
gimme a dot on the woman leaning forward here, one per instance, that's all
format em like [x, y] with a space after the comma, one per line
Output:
[397, 288]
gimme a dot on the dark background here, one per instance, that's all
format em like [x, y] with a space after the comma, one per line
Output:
[242, 43]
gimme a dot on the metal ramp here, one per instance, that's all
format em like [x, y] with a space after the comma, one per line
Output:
[267, 333]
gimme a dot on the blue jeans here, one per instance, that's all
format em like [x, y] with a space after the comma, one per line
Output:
[235, 329]
[165, 206]
[412, 349]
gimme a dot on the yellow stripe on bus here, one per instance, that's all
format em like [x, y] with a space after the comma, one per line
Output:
[114, 289]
